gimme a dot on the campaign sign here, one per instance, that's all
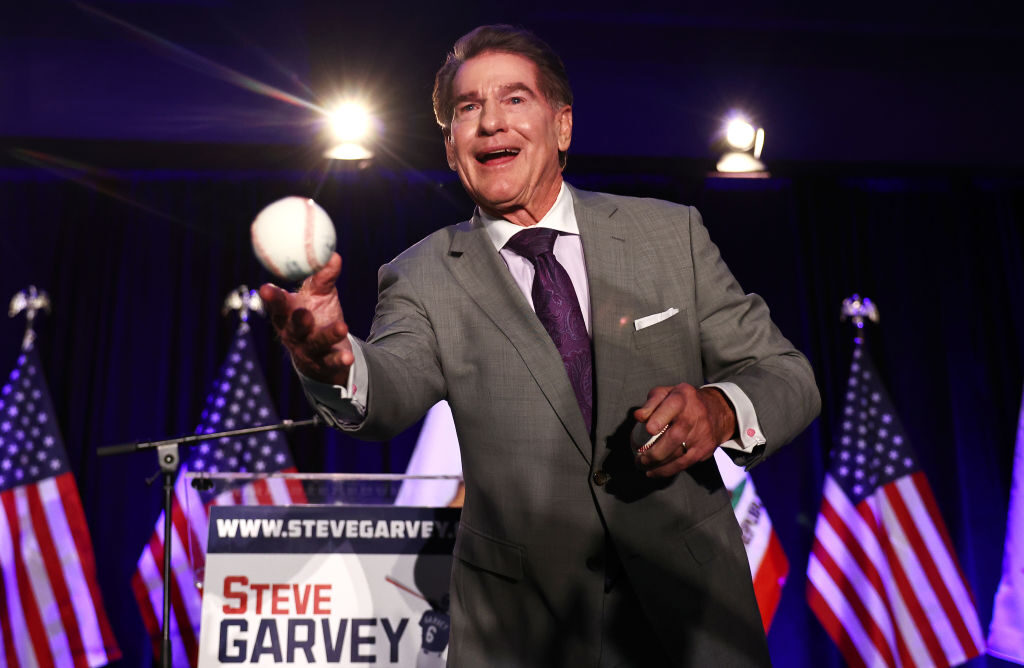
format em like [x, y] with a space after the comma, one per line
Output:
[327, 585]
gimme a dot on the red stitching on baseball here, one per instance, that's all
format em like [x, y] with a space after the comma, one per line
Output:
[310, 251]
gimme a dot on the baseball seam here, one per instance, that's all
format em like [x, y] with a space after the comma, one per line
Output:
[310, 223]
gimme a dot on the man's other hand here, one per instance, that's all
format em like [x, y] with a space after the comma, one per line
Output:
[698, 420]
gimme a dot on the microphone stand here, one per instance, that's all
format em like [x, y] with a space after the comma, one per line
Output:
[168, 456]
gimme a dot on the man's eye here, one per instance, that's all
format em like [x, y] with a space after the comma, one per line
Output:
[467, 107]
[515, 99]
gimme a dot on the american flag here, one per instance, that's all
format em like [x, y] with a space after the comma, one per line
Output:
[51, 613]
[882, 577]
[239, 399]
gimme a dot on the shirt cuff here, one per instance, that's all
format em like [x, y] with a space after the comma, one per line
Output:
[750, 435]
[341, 405]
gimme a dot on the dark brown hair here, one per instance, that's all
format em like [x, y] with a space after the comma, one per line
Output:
[551, 77]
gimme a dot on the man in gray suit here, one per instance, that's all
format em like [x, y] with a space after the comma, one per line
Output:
[579, 545]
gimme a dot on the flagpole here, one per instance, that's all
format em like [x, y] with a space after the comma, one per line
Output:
[168, 452]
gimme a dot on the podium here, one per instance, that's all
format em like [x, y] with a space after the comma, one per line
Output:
[322, 569]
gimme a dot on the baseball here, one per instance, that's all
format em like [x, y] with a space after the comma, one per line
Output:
[293, 237]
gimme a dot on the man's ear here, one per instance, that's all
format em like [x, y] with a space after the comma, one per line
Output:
[563, 121]
[449, 150]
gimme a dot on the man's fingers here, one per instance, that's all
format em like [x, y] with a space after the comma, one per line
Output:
[322, 282]
[654, 398]
[275, 302]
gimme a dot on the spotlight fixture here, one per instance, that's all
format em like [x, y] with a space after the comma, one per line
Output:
[741, 144]
[352, 127]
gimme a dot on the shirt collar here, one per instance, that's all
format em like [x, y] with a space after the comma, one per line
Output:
[561, 217]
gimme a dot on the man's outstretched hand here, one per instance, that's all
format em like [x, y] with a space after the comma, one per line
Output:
[312, 326]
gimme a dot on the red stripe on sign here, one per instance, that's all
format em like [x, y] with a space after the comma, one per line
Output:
[86, 557]
[769, 580]
[910, 600]
[844, 582]
[149, 618]
[931, 570]
[55, 574]
[36, 630]
[834, 628]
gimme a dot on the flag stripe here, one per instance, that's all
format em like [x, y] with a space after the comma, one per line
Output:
[19, 651]
[907, 559]
[855, 533]
[908, 595]
[33, 621]
[768, 579]
[181, 625]
[64, 634]
[943, 614]
[839, 620]
[909, 618]
[838, 536]
[918, 489]
[6, 649]
[151, 575]
[39, 580]
[195, 513]
[861, 601]
[187, 625]
[149, 619]
[67, 517]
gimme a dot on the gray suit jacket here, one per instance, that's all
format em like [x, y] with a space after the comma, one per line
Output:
[528, 579]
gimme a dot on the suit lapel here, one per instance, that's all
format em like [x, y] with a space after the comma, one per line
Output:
[610, 267]
[482, 273]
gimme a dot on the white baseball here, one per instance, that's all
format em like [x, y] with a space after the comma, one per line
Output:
[293, 237]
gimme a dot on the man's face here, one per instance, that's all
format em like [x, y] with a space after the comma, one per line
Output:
[505, 137]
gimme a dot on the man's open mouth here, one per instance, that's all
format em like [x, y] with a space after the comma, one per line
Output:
[499, 154]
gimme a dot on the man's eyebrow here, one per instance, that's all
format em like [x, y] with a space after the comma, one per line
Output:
[502, 90]
[515, 87]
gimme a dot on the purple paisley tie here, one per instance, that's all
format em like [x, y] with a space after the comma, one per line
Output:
[554, 300]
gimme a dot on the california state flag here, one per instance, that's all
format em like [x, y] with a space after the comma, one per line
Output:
[768, 563]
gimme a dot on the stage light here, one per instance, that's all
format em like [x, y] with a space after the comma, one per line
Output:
[740, 134]
[352, 125]
[741, 144]
[350, 121]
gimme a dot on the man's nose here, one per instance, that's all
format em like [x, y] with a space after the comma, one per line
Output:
[492, 119]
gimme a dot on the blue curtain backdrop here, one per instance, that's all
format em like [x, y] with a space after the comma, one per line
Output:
[137, 263]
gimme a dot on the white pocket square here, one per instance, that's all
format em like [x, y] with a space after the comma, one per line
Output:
[648, 320]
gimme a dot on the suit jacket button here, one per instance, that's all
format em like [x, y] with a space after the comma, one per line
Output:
[600, 477]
